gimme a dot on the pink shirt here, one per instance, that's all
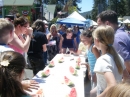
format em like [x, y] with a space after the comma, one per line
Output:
[16, 49]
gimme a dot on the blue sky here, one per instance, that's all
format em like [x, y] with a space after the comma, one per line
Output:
[86, 5]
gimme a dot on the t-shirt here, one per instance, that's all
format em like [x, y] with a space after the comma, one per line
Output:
[122, 43]
[36, 44]
[82, 47]
[68, 42]
[5, 48]
[105, 63]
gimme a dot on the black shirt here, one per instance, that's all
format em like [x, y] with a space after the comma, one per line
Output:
[68, 42]
[36, 44]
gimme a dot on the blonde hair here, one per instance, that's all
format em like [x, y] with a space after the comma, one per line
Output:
[53, 25]
[120, 90]
[5, 27]
[105, 34]
[69, 30]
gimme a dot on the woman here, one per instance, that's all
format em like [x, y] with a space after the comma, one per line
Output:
[68, 39]
[12, 66]
[54, 42]
[37, 46]
[21, 43]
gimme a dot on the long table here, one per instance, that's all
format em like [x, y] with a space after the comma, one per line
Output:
[54, 85]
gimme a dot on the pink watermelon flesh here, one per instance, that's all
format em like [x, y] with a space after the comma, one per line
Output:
[52, 63]
[66, 80]
[73, 93]
[71, 69]
[47, 72]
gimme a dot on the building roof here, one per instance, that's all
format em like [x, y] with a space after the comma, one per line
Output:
[18, 2]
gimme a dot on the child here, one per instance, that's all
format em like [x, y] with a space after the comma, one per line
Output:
[6, 34]
[109, 67]
[119, 90]
[92, 54]
[12, 66]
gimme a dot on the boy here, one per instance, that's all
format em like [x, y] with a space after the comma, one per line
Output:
[6, 34]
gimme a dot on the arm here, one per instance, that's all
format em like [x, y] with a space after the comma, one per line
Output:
[75, 42]
[110, 79]
[44, 47]
[60, 44]
[127, 64]
[18, 43]
[95, 52]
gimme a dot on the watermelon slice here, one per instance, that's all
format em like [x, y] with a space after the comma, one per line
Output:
[61, 60]
[46, 73]
[51, 64]
[68, 82]
[78, 60]
[73, 93]
[77, 65]
[72, 70]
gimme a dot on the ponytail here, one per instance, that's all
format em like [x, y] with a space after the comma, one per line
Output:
[116, 58]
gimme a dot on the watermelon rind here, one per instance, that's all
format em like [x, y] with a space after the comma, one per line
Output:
[75, 73]
[50, 65]
[77, 67]
[44, 75]
[60, 61]
[71, 84]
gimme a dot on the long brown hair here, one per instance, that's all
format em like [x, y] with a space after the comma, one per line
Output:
[105, 34]
[10, 71]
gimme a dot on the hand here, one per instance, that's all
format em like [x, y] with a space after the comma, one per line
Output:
[29, 31]
[30, 84]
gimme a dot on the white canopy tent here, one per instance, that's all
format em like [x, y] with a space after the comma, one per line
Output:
[93, 23]
[77, 16]
[126, 21]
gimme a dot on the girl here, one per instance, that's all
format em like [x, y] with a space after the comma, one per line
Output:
[119, 90]
[92, 54]
[12, 66]
[56, 38]
[21, 43]
[68, 38]
[110, 66]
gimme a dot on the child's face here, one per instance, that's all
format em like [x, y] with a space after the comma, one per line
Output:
[96, 43]
[86, 40]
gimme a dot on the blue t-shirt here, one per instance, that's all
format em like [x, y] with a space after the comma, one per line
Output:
[122, 43]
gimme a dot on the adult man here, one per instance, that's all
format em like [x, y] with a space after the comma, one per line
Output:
[122, 40]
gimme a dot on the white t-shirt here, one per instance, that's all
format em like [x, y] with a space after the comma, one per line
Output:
[5, 48]
[105, 63]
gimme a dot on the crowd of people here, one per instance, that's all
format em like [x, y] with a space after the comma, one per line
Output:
[106, 48]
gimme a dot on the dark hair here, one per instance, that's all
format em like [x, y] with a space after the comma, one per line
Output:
[39, 26]
[9, 85]
[20, 21]
[86, 33]
[108, 15]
